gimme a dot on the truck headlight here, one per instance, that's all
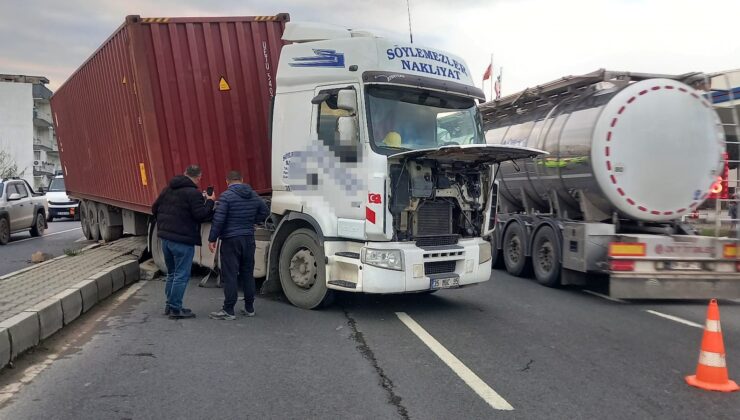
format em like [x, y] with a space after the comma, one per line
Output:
[484, 252]
[391, 259]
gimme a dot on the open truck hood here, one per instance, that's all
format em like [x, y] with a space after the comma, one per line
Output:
[472, 153]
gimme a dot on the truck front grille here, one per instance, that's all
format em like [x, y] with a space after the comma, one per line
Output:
[433, 218]
[439, 267]
[440, 240]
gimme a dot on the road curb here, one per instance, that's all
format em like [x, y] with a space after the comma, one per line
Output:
[27, 329]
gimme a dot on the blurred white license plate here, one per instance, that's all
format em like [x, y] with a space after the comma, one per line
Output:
[684, 265]
[445, 283]
[63, 213]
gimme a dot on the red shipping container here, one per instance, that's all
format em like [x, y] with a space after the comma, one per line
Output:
[163, 93]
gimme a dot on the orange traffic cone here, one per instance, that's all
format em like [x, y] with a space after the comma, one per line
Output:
[711, 372]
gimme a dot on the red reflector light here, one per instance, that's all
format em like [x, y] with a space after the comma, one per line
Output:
[622, 265]
[737, 266]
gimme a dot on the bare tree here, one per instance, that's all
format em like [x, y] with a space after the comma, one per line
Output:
[8, 167]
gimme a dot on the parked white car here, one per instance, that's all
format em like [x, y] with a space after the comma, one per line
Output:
[21, 208]
[60, 204]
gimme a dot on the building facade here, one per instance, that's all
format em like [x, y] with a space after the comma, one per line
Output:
[27, 140]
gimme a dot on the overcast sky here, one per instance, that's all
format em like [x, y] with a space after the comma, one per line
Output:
[535, 41]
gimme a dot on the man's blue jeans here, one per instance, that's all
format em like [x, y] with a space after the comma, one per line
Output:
[179, 260]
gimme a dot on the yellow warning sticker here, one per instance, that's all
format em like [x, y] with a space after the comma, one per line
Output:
[142, 170]
[223, 84]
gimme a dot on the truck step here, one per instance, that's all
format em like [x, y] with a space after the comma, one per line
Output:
[343, 283]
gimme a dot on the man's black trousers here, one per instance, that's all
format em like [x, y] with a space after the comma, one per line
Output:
[237, 269]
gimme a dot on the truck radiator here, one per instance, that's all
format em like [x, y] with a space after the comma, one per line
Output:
[433, 218]
[439, 267]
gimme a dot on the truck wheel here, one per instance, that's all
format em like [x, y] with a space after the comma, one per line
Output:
[83, 220]
[39, 225]
[49, 218]
[303, 272]
[546, 257]
[107, 232]
[4, 231]
[496, 261]
[515, 259]
[92, 220]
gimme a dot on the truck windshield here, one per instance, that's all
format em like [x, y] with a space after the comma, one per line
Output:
[408, 119]
[57, 185]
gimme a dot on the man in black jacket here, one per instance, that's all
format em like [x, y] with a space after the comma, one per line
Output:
[239, 209]
[179, 211]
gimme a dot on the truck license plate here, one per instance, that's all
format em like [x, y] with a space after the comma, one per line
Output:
[445, 283]
[684, 265]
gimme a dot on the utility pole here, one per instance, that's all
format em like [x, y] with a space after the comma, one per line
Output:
[408, 10]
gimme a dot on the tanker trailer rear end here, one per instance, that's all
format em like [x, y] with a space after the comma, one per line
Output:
[629, 154]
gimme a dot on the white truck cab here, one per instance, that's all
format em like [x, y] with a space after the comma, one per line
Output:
[60, 204]
[381, 176]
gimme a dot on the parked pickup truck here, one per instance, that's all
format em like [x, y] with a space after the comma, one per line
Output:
[21, 208]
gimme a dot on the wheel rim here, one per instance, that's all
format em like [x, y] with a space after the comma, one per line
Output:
[545, 255]
[303, 270]
[514, 249]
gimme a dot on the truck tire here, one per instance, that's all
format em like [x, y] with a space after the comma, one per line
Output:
[49, 218]
[83, 220]
[515, 258]
[4, 231]
[92, 220]
[546, 257]
[497, 262]
[39, 225]
[107, 232]
[303, 271]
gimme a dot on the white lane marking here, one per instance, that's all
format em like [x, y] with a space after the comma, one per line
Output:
[45, 235]
[83, 239]
[675, 318]
[7, 392]
[481, 388]
[591, 292]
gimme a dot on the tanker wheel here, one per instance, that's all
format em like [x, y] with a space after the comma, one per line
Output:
[497, 262]
[515, 259]
[107, 232]
[83, 220]
[546, 257]
[303, 271]
[92, 220]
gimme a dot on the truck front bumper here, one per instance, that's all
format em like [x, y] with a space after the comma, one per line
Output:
[460, 262]
[673, 285]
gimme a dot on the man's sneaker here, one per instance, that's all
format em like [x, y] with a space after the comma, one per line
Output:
[167, 309]
[222, 315]
[181, 314]
[246, 313]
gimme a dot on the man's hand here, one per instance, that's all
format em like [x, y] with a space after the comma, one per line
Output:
[211, 197]
[212, 246]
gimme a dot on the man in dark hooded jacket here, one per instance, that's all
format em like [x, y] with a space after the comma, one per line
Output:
[179, 210]
[239, 209]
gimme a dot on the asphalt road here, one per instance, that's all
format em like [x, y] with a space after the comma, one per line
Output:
[62, 234]
[550, 354]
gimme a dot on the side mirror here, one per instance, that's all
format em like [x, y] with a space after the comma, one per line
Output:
[42, 190]
[347, 129]
[347, 100]
[14, 197]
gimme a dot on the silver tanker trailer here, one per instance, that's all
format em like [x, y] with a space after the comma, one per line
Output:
[629, 154]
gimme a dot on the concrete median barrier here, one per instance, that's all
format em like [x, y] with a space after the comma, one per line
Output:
[89, 291]
[4, 347]
[71, 300]
[131, 271]
[24, 332]
[118, 278]
[105, 284]
[50, 316]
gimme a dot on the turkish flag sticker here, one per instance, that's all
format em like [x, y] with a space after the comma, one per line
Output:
[373, 198]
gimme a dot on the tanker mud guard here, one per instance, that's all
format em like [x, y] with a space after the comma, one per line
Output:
[675, 286]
